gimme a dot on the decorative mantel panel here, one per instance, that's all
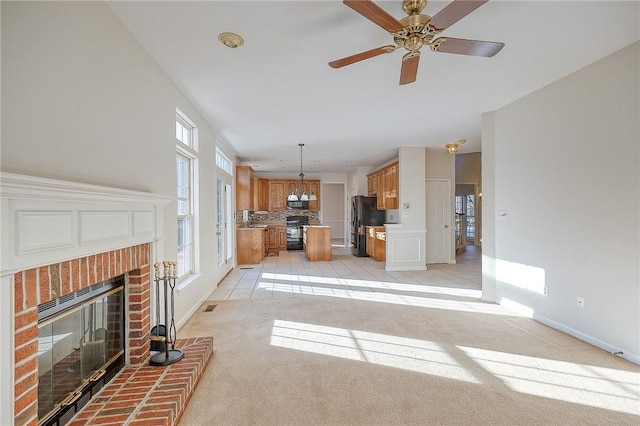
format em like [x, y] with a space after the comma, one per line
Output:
[48, 222]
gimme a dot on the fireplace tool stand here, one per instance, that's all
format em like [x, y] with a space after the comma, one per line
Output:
[173, 355]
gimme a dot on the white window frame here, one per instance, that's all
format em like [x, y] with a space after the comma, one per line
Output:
[186, 147]
[223, 162]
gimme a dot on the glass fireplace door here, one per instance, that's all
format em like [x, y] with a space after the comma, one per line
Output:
[74, 348]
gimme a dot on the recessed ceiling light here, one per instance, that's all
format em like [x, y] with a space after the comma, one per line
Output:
[231, 40]
[349, 161]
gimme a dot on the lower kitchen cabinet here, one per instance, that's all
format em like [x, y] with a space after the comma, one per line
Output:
[276, 237]
[317, 242]
[251, 243]
[375, 242]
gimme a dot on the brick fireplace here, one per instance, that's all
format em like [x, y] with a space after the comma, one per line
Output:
[59, 238]
[39, 285]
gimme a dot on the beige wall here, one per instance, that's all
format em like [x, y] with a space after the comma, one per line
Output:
[567, 183]
[469, 167]
[82, 101]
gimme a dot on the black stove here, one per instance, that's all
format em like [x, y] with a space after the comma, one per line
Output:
[295, 225]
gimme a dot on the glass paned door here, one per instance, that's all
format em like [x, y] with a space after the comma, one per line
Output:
[221, 220]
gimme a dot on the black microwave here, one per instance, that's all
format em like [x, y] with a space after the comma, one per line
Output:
[297, 205]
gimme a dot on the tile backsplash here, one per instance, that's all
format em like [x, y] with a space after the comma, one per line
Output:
[276, 216]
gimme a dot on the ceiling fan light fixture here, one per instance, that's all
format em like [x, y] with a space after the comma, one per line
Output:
[231, 40]
[452, 148]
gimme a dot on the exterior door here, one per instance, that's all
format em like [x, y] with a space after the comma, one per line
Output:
[439, 217]
[220, 220]
[224, 229]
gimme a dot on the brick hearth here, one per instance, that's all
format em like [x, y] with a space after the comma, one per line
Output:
[150, 396]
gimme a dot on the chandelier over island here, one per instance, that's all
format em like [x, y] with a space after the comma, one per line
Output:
[293, 196]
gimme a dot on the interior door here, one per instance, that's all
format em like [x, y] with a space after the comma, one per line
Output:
[439, 217]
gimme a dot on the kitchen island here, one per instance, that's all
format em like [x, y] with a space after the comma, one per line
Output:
[316, 240]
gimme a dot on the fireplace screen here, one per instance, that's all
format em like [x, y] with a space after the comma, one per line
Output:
[79, 349]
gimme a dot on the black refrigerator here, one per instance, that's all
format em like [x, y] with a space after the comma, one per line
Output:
[363, 213]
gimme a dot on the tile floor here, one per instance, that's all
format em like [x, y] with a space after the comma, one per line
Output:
[291, 274]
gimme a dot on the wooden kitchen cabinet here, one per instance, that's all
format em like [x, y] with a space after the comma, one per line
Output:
[260, 194]
[316, 241]
[391, 186]
[244, 188]
[292, 186]
[282, 237]
[271, 194]
[384, 184]
[375, 248]
[314, 188]
[380, 190]
[372, 184]
[251, 245]
[276, 237]
[277, 194]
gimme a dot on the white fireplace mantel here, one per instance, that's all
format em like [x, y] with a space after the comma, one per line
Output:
[45, 221]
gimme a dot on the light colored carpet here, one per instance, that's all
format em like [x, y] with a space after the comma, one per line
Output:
[316, 360]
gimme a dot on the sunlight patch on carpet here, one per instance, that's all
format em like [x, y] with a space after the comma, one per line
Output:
[420, 356]
[381, 285]
[591, 385]
[386, 297]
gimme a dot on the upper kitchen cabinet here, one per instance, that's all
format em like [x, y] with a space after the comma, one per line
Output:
[244, 188]
[372, 184]
[310, 186]
[261, 194]
[293, 186]
[314, 188]
[277, 194]
[383, 183]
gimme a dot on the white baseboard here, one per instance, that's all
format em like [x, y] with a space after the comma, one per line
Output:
[622, 353]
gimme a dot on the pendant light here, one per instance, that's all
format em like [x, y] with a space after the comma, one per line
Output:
[294, 194]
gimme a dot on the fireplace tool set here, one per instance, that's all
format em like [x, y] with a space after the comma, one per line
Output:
[163, 337]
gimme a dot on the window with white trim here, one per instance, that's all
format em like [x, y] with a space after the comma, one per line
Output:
[223, 162]
[186, 157]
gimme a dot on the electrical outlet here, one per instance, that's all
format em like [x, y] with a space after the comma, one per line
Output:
[546, 290]
[580, 302]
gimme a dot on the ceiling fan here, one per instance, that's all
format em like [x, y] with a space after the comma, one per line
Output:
[416, 30]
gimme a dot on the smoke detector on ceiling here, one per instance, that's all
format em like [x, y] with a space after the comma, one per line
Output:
[231, 40]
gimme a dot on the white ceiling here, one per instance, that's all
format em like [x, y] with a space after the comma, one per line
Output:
[277, 90]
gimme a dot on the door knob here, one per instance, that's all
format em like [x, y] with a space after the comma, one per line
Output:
[446, 226]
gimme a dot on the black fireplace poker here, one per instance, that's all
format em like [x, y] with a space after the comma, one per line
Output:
[169, 355]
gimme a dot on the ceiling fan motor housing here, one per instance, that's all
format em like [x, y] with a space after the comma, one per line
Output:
[416, 33]
[413, 6]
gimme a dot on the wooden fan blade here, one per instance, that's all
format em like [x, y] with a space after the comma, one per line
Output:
[409, 69]
[375, 14]
[462, 46]
[455, 11]
[338, 63]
